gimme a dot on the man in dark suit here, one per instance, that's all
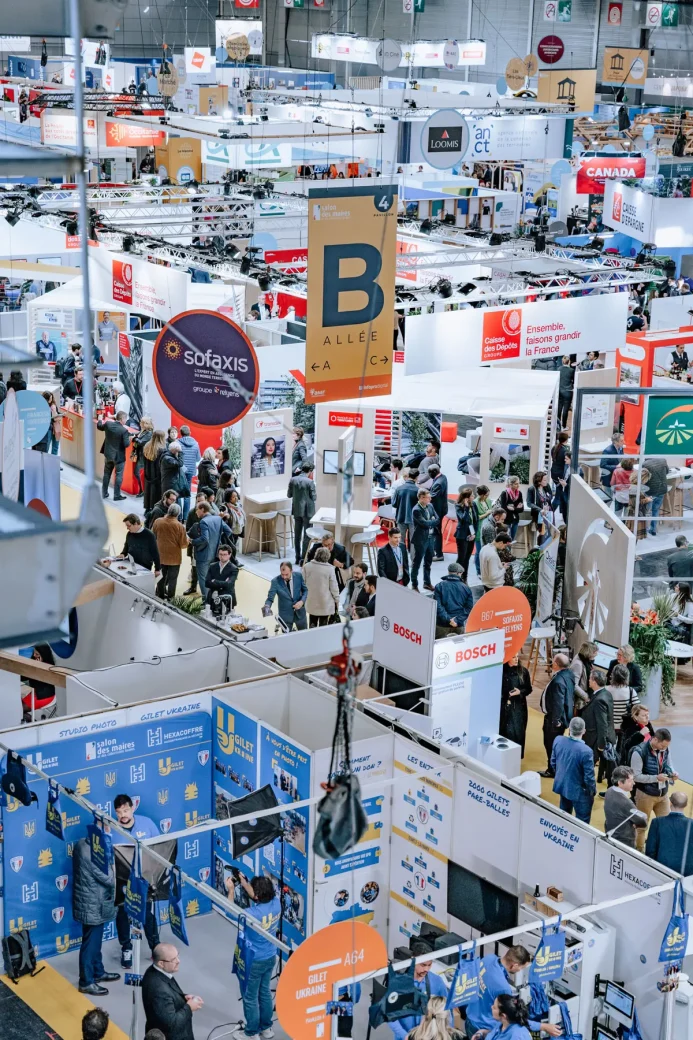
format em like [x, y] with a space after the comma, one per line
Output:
[403, 501]
[598, 714]
[393, 559]
[340, 558]
[670, 839]
[290, 591]
[371, 586]
[166, 1006]
[556, 702]
[680, 563]
[221, 576]
[425, 521]
[116, 440]
[439, 501]
[302, 493]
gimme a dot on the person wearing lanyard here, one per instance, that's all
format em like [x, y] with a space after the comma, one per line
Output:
[393, 558]
[494, 981]
[511, 1020]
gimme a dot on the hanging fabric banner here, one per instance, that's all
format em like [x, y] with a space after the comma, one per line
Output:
[54, 817]
[675, 938]
[101, 845]
[550, 956]
[465, 983]
[175, 906]
[136, 892]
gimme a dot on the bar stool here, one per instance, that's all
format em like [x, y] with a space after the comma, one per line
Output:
[286, 534]
[367, 540]
[536, 635]
[266, 536]
[315, 534]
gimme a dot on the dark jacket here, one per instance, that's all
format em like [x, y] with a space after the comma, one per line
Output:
[338, 553]
[143, 548]
[598, 716]
[634, 674]
[425, 519]
[558, 462]
[513, 713]
[116, 440]
[610, 459]
[223, 582]
[573, 764]
[139, 442]
[513, 506]
[670, 842]
[152, 470]
[620, 812]
[285, 601]
[467, 518]
[537, 498]
[165, 1006]
[207, 475]
[69, 368]
[93, 893]
[566, 379]
[404, 500]
[173, 476]
[557, 699]
[648, 764]
[302, 492]
[370, 606]
[658, 469]
[297, 456]
[362, 597]
[158, 511]
[453, 600]
[211, 528]
[439, 495]
[680, 563]
[387, 564]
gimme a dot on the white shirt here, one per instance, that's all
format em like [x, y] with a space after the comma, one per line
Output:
[168, 974]
[122, 404]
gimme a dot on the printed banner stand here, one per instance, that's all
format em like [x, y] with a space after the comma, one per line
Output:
[675, 941]
[101, 845]
[136, 892]
[175, 907]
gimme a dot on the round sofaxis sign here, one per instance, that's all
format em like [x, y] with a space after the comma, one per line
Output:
[206, 369]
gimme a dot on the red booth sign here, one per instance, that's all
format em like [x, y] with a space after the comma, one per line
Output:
[593, 173]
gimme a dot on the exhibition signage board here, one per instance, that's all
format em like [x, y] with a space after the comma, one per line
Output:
[236, 38]
[592, 173]
[404, 631]
[552, 847]
[34, 413]
[235, 764]
[493, 815]
[550, 49]
[142, 287]
[421, 54]
[446, 340]
[199, 60]
[246, 155]
[505, 608]
[669, 428]
[11, 447]
[445, 139]
[331, 955]
[59, 129]
[625, 66]
[206, 368]
[164, 765]
[630, 210]
[352, 238]
[546, 579]
[132, 135]
[560, 85]
[465, 653]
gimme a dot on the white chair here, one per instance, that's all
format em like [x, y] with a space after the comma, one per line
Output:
[367, 541]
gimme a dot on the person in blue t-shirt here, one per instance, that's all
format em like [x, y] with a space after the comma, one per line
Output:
[257, 999]
[494, 981]
[429, 983]
[140, 827]
[510, 1020]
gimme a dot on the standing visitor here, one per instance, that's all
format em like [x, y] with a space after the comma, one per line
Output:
[205, 538]
[626, 655]
[425, 520]
[236, 512]
[290, 590]
[439, 501]
[623, 695]
[93, 906]
[171, 539]
[435, 1025]
[610, 459]
[139, 442]
[322, 601]
[403, 502]
[516, 687]
[300, 450]
[465, 532]
[556, 703]
[454, 602]
[207, 475]
[152, 453]
[140, 544]
[303, 494]
[191, 456]
[264, 908]
[393, 558]
[539, 503]
[483, 507]
[653, 771]
[492, 567]
[581, 667]
[425, 981]
[431, 458]
[511, 501]
[566, 378]
[572, 764]
[620, 815]
[116, 440]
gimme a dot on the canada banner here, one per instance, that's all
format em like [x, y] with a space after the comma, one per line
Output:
[594, 172]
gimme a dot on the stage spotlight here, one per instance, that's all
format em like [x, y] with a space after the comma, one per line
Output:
[426, 226]
[258, 193]
[445, 288]
[245, 264]
[128, 243]
[449, 218]
[12, 217]
[232, 251]
[467, 288]
[495, 239]
[71, 227]
[264, 281]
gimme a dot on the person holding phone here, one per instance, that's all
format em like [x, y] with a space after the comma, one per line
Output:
[265, 908]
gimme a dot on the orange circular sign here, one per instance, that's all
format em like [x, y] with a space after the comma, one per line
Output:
[334, 954]
[505, 608]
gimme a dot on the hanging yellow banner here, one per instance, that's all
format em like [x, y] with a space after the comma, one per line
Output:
[352, 237]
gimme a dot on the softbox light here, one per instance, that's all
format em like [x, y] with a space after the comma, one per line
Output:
[250, 835]
[156, 873]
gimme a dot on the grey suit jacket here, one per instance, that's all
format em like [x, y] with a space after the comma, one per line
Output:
[302, 493]
[617, 809]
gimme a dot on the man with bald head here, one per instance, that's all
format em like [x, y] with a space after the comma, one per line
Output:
[557, 704]
[166, 1006]
[670, 840]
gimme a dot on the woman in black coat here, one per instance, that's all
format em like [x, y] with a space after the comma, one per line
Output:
[151, 454]
[465, 531]
[515, 689]
[626, 655]
[207, 474]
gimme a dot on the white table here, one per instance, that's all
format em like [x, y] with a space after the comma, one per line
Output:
[360, 518]
[267, 498]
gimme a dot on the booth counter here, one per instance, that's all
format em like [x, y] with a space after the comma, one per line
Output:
[72, 448]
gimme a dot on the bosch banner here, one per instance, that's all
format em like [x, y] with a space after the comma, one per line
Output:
[165, 768]
[594, 172]
[352, 238]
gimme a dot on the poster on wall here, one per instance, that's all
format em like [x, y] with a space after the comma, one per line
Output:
[237, 38]
[129, 359]
[287, 767]
[350, 292]
[165, 765]
[626, 66]
[110, 325]
[269, 453]
[235, 763]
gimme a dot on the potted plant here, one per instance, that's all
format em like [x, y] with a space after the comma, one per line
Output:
[648, 637]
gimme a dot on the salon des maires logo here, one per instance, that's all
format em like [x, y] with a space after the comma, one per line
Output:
[669, 425]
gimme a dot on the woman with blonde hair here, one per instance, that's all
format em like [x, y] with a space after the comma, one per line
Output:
[207, 473]
[435, 1025]
[139, 443]
[152, 452]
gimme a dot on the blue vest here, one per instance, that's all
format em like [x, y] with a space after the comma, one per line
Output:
[650, 765]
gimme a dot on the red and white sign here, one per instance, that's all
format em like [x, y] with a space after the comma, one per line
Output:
[505, 608]
[290, 260]
[123, 344]
[74, 242]
[550, 10]
[615, 15]
[122, 281]
[467, 653]
[510, 430]
[404, 631]
[617, 205]
[593, 173]
[653, 15]
[124, 135]
[633, 212]
[502, 334]
[247, 3]
[198, 59]
[267, 423]
[345, 419]
[550, 49]
[59, 128]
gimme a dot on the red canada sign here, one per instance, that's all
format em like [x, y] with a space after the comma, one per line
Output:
[594, 172]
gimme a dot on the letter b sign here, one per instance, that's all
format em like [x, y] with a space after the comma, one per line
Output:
[335, 284]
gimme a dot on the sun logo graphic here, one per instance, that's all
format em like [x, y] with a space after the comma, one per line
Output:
[592, 560]
[172, 349]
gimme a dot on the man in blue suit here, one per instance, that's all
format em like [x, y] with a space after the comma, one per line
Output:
[670, 839]
[290, 591]
[572, 763]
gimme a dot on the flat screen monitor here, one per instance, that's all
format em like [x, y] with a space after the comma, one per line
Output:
[330, 462]
[478, 903]
[604, 1034]
[605, 655]
[619, 1004]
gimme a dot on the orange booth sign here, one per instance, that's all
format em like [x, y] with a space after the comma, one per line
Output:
[132, 135]
[505, 608]
[647, 360]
